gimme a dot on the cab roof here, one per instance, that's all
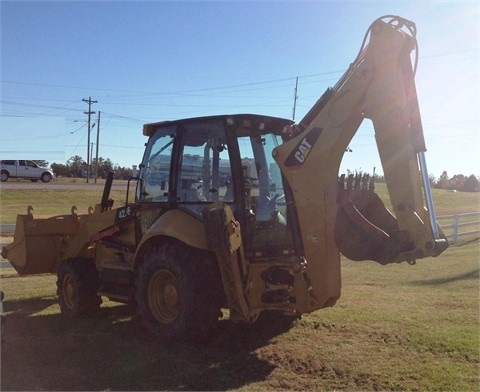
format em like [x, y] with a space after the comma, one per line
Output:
[253, 121]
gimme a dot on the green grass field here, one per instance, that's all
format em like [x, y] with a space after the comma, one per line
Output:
[396, 327]
[48, 202]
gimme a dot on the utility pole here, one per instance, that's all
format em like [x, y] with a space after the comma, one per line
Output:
[295, 97]
[89, 101]
[98, 136]
[91, 151]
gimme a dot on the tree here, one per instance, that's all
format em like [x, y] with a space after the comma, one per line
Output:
[443, 181]
[61, 170]
[77, 166]
[104, 166]
[471, 184]
[456, 182]
[123, 173]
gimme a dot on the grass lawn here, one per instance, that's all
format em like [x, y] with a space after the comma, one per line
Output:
[397, 327]
[49, 202]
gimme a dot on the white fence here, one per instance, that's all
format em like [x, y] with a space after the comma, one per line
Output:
[460, 225]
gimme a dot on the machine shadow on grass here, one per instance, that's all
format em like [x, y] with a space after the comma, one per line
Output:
[472, 275]
[112, 350]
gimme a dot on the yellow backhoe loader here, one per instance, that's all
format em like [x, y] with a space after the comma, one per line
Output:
[248, 212]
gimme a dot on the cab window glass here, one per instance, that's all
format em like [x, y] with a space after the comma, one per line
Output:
[205, 173]
[156, 167]
[264, 196]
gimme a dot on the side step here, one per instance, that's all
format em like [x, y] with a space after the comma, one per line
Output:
[117, 282]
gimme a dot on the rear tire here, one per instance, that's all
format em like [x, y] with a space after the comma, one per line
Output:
[179, 293]
[77, 286]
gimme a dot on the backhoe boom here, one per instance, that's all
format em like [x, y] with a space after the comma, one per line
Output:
[379, 85]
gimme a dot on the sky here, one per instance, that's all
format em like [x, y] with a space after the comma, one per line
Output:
[151, 61]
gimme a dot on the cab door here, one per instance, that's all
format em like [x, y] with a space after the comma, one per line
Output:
[32, 170]
[154, 187]
[268, 214]
[22, 169]
[204, 171]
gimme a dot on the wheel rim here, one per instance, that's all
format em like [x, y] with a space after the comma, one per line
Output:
[70, 292]
[164, 296]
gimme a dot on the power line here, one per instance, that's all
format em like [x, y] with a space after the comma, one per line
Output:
[450, 57]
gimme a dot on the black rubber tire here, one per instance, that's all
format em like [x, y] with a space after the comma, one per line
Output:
[179, 292]
[77, 287]
[46, 177]
[4, 176]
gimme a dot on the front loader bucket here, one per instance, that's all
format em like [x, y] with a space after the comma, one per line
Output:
[38, 243]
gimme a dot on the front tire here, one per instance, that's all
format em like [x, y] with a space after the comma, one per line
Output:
[178, 292]
[77, 286]
[46, 177]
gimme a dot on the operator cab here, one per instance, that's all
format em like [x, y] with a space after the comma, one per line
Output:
[191, 163]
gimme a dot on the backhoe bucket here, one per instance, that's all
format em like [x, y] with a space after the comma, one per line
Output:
[365, 229]
[37, 243]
